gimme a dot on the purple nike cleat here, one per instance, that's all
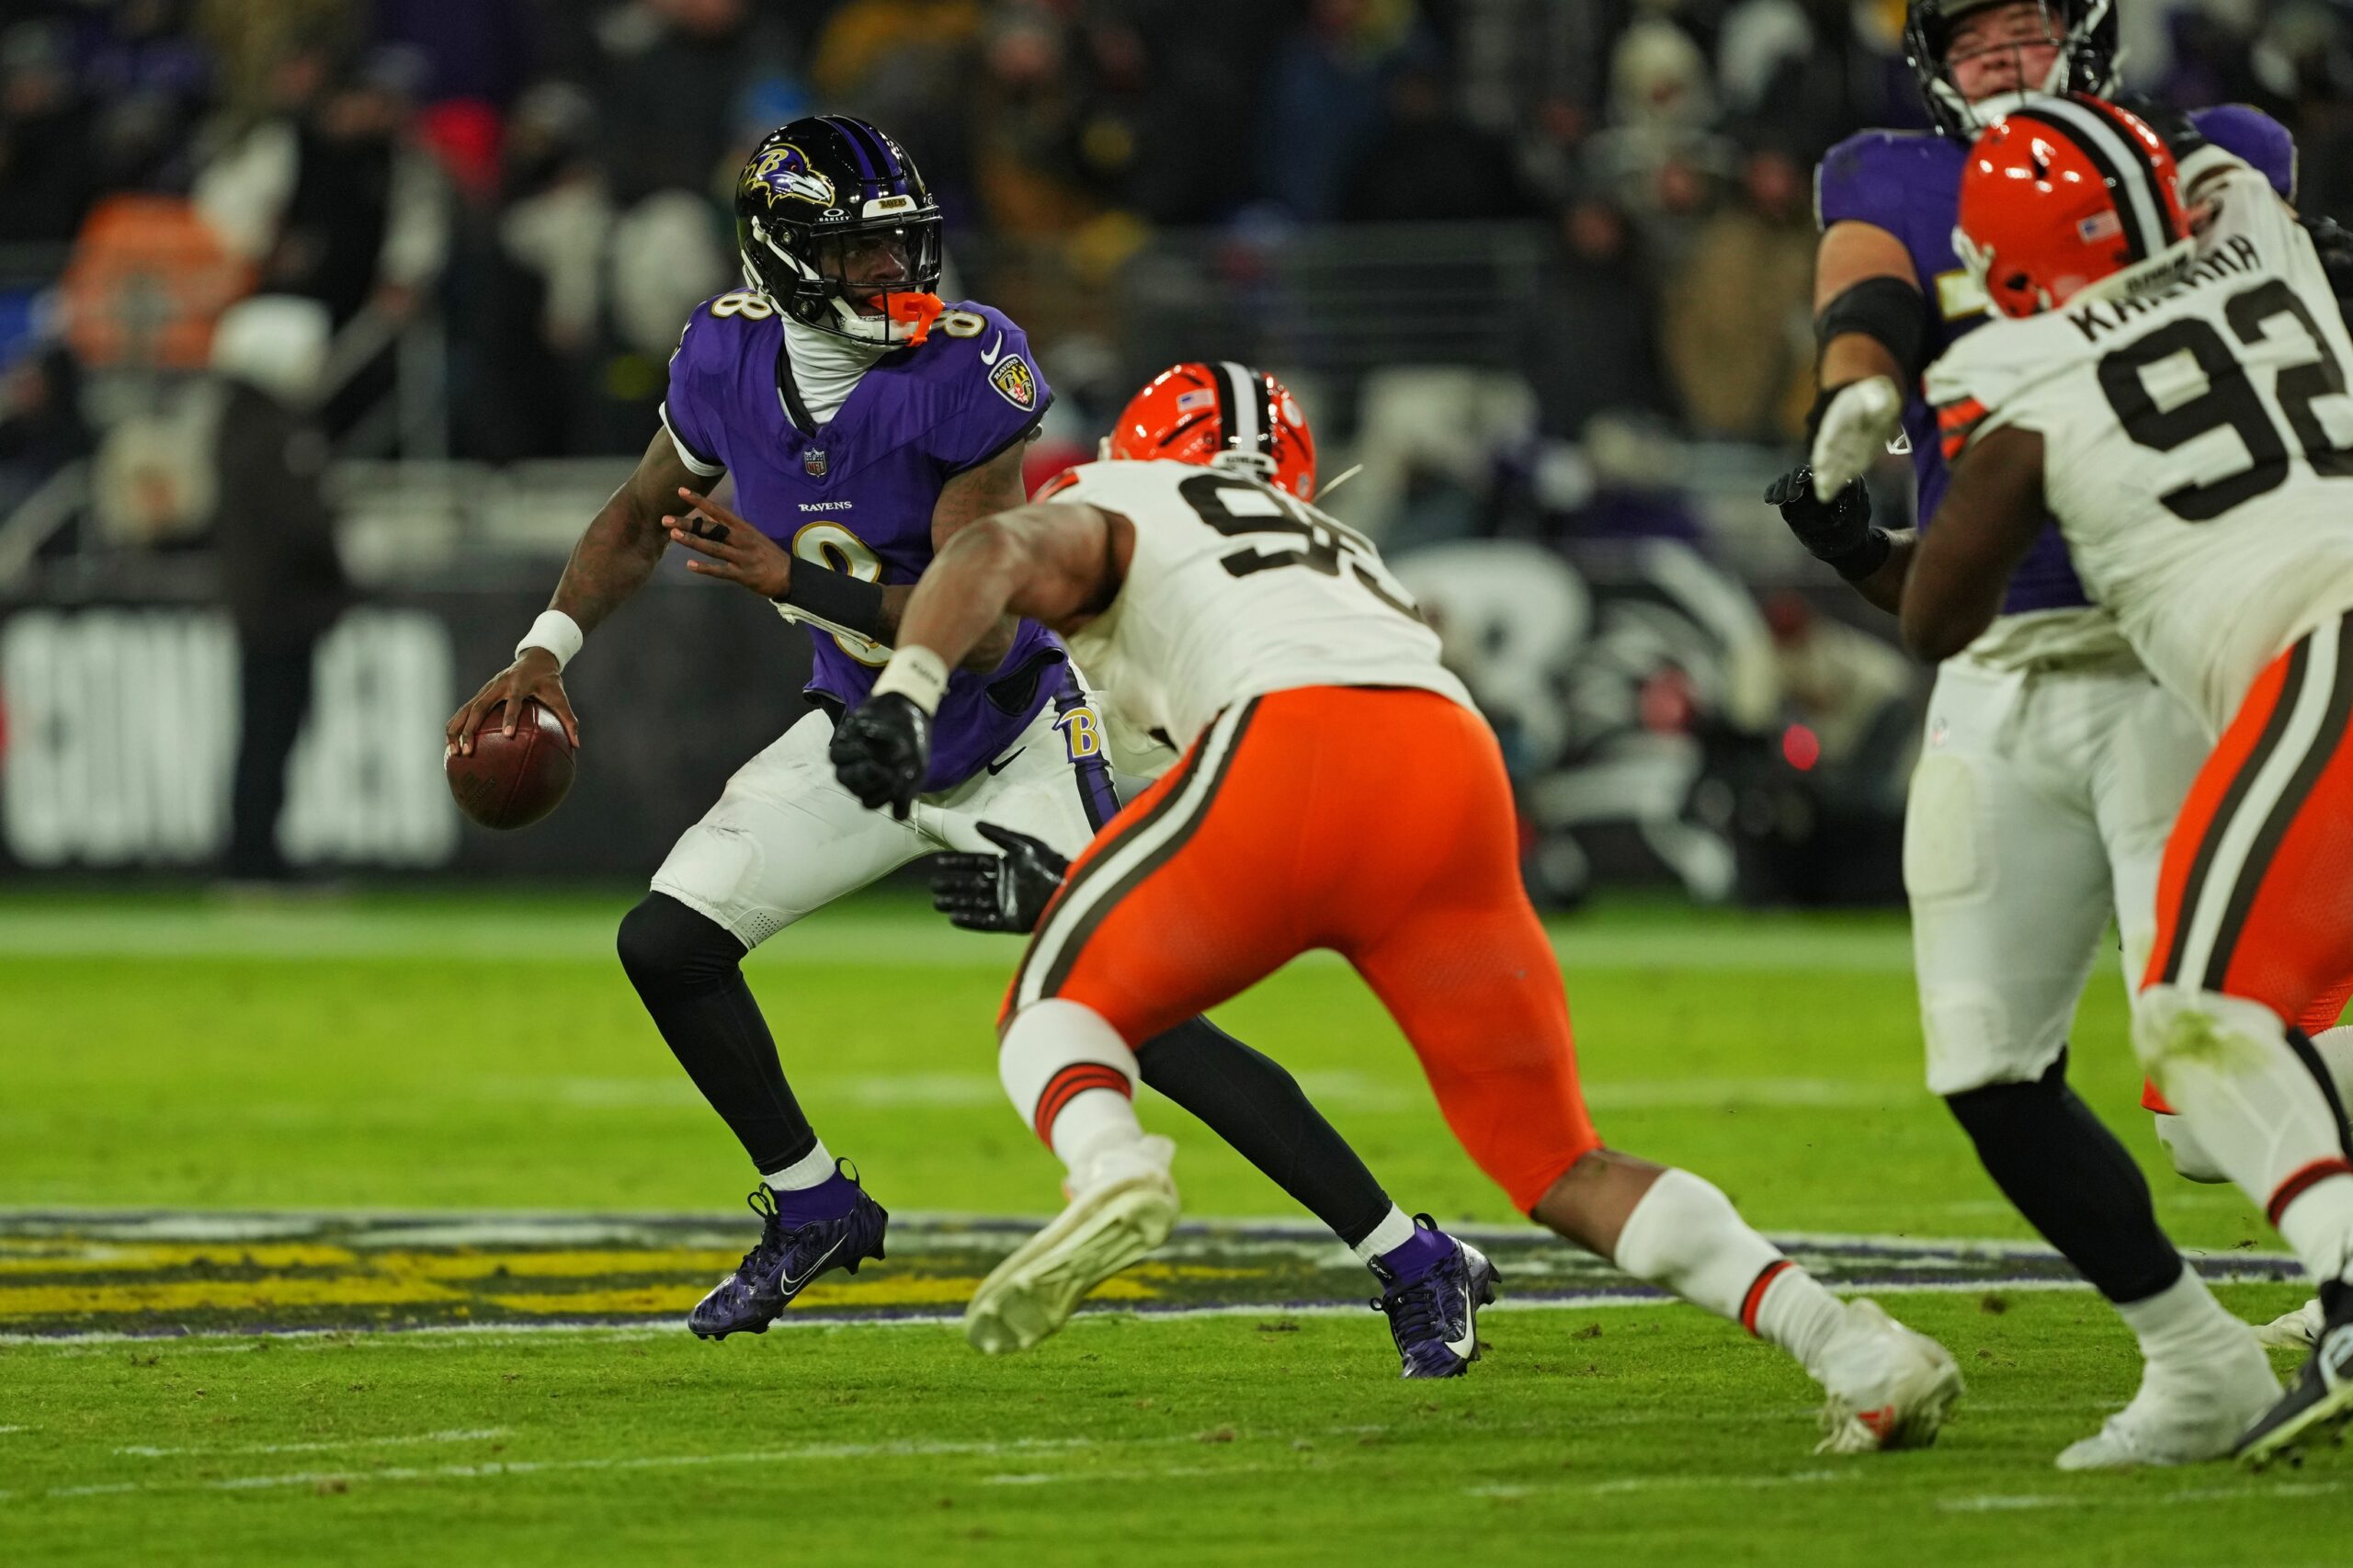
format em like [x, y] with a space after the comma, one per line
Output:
[787, 1257]
[1434, 1312]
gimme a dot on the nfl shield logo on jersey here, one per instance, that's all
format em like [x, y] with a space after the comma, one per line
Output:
[813, 462]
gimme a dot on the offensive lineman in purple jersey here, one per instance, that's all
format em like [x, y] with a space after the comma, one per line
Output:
[864, 423]
[2054, 766]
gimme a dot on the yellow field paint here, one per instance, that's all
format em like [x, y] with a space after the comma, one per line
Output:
[217, 1295]
[66, 1255]
[551, 1264]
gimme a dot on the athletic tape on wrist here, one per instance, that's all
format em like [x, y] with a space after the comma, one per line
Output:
[917, 674]
[555, 631]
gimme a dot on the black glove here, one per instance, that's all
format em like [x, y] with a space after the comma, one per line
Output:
[2334, 243]
[1836, 532]
[997, 893]
[881, 752]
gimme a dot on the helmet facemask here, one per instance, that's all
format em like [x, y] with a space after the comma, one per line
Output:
[2082, 34]
[822, 277]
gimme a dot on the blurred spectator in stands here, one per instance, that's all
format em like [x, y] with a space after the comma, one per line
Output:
[252, 41]
[1590, 344]
[2302, 61]
[907, 66]
[1195, 120]
[327, 196]
[45, 177]
[480, 51]
[1738, 313]
[1429, 164]
[1323, 100]
[41, 425]
[667, 96]
[1800, 75]
[532, 320]
[273, 532]
[1531, 71]
[150, 83]
[1660, 159]
[1025, 157]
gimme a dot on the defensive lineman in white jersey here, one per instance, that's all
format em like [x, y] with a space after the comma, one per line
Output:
[2181, 407]
[1337, 790]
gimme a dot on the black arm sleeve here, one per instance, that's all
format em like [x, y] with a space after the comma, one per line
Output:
[835, 600]
[1890, 311]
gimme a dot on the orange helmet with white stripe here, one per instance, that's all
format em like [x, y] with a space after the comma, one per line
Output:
[2066, 195]
[1223, 415]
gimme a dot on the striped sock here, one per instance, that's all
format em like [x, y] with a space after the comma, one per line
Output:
[1684, 1234]
[1071, 1077]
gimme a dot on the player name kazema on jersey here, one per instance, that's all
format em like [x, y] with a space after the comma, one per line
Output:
[2235, 257]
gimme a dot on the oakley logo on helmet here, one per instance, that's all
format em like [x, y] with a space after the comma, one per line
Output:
[783, 172]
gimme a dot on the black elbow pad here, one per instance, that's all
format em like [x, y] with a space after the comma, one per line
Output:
[1888, 311]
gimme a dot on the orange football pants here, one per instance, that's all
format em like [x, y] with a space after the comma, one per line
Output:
[1374, 821]
[2255, 895]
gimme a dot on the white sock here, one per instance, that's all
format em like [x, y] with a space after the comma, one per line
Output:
[1685, 1236]
[2224, 1064]
[2335, 1048]
[1071, 1077]
[1393, 1232]
[2318, 1227]
[811, 1169]
[2176, 1327]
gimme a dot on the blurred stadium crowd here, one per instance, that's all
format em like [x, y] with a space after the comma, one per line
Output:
[1541, 266]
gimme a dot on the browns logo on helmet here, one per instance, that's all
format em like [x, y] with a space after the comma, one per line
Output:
[1223, 416]
[2068, 195]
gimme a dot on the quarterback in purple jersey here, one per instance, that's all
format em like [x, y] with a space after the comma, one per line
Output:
[2054, 766]
[864, 421]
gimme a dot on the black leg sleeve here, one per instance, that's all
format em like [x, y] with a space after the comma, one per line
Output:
[688, 970]
[2066, 1173]
[1248, 1099]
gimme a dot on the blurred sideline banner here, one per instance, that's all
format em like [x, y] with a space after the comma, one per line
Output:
[119, 733]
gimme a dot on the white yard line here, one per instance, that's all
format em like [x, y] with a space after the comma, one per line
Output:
[2252, 1491]
[475, 1435]
[805, 1453]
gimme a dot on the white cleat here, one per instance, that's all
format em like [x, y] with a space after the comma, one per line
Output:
[2186, 1415]
[1123, 1204]
[2299, 1330]
[1890, 1387]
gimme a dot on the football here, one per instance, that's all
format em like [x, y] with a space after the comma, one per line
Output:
[511, 781]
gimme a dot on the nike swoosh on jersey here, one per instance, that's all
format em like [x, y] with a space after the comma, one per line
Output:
[997, 767]
[990, 357]
[790, 1283]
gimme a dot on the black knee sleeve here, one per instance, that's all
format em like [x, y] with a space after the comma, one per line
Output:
[2065, 1171]
[1252, 1101]
[688, 971]
[664, 946]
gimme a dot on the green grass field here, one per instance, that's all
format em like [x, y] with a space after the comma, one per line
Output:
[409, 1054]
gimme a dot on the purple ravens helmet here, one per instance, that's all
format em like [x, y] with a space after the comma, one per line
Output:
[838, 230]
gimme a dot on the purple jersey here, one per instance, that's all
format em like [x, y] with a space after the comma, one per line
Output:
[857, 493]
[1908, 182]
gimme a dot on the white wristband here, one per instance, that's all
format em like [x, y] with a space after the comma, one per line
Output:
[917, 674]
[555, 631]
